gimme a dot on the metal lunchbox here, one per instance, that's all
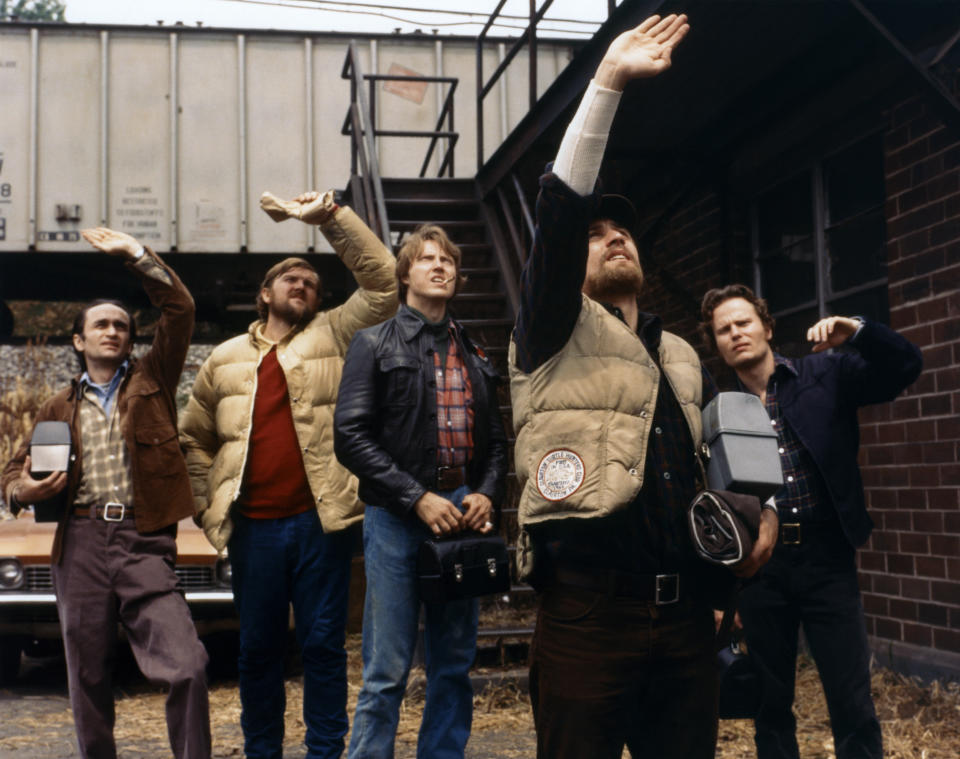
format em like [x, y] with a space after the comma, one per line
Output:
[49, 452]
[464, 566]
[742, 448]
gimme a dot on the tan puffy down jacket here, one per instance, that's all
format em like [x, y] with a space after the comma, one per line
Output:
[590, 408]
[215, 427]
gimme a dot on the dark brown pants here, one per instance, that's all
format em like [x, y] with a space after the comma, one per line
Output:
[607, 671]
[110, 573]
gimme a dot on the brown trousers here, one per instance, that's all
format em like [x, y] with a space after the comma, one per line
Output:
[110, 573]
[607, 671]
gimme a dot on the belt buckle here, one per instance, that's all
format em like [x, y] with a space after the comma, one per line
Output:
[442, 477]
[667, 589]
[113, 504]
[445, 475]
[790, 534]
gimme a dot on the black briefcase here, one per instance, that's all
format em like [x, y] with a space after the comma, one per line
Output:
[739, 683]
[464, 566]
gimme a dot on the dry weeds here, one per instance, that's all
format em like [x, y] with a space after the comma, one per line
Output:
[20, 401]
[919, 721]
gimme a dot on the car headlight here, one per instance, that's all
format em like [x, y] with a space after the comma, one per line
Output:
[224, 573]
[11, 574]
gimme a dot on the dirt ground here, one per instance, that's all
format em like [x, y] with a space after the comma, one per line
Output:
[919, 722]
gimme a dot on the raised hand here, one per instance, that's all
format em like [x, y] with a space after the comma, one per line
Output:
[111, 241]
[641, 52]
[832, 332]
[310, 207]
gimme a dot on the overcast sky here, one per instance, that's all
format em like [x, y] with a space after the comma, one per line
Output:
[327, 15]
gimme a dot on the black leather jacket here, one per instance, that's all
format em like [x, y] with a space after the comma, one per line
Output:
[385, 424]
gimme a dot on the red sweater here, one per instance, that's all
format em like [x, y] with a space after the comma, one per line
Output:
[275, 482]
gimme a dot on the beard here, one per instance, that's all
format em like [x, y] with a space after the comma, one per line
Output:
[614, 282]
[293, 314]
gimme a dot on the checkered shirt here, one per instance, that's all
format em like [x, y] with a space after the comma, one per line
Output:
[803, 497]
[106, 463]
[454, 407]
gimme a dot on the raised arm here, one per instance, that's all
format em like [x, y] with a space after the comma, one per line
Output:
[884, 363]
[361, 251]
[553, 277]
[171, 339]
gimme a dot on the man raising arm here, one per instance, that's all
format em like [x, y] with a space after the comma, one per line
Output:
[258, 435]
[126, 489]
[606, 407]
[812, 578]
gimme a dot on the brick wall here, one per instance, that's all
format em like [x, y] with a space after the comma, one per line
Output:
[910, 569]
[910, 455]
[689, 259]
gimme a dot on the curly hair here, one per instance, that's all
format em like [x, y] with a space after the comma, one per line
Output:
[718, 295]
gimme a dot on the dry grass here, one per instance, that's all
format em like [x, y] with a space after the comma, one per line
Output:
[20, 401]
[919, 721]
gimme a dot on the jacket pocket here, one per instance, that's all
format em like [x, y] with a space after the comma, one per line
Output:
[158, 450]
[401, 379]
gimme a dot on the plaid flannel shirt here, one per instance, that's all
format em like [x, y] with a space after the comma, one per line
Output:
[803, 497]
[454, 406]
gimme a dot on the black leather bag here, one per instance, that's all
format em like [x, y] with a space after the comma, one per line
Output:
[739, 683]
[464, 566]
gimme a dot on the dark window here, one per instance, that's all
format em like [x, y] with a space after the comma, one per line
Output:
[819, 242]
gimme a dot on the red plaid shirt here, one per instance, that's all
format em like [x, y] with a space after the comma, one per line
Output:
[454, 407]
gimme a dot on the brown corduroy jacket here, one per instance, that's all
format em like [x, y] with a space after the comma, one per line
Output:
[148, 419]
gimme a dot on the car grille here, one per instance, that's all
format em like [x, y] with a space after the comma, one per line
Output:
[196, 577]
[39, 578]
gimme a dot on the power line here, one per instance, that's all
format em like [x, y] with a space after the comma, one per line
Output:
[312, 5]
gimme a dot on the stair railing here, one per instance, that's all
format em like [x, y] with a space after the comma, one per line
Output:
[366, 185]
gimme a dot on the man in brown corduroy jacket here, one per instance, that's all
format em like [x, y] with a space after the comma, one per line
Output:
[124, 491]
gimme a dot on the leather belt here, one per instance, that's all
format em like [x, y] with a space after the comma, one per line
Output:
[797, 533]
[108, 512]
[451, 477]
[659, 589]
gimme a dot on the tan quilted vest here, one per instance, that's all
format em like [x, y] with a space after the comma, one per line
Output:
[582, 419]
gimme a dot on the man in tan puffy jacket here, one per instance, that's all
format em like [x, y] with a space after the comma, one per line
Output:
[258, 438]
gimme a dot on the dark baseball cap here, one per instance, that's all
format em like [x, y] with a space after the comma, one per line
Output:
[619, 209]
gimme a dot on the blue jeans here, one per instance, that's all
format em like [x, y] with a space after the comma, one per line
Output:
[277, 562]
[391, 614]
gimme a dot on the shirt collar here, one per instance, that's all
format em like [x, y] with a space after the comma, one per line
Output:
[649, 326]
[786, 363]
[412, 322]
[108, 389]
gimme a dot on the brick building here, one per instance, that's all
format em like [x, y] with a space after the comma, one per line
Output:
[847, 201]
[812, 151]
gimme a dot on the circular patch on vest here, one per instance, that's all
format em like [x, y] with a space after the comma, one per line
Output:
[559, 474]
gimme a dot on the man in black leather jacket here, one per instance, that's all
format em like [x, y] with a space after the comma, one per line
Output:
[418, 421]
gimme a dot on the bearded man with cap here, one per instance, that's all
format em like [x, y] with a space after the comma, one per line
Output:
[606, 408]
